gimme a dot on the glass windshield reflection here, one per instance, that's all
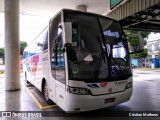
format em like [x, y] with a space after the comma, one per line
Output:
[99, 50]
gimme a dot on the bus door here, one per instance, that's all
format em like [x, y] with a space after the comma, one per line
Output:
[57, 63]
[60, 78]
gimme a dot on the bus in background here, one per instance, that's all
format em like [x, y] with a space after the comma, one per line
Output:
[81, 61]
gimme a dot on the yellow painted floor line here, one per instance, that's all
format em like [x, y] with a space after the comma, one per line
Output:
[49, 106]
[36, 101]
[1, 72]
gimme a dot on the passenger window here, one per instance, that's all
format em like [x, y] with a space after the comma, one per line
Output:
[45, 46]
[59, 30]
[59, 60]
[42, 41]
[56, 43]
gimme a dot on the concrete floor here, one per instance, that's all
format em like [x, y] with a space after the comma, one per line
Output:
[146, 97]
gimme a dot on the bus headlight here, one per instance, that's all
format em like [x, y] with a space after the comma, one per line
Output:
[79, 91]
[129, 85]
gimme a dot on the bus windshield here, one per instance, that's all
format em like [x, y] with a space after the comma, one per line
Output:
[99, 49]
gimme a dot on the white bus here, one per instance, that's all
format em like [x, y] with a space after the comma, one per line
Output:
[80, 61]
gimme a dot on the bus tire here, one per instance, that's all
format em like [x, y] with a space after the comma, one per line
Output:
[48, 100]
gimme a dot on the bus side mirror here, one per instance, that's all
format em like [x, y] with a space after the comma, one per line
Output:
[67, 35]
[136, 43]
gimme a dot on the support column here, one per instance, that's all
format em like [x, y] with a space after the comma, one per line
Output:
[12, 47]
[82, 8]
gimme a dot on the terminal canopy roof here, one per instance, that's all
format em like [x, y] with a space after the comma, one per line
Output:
[148, 19]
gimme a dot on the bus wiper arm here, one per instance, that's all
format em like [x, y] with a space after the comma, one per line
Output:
[97, 68]
[99, 62]
[102, 51]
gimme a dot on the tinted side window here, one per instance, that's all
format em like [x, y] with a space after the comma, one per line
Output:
[42, 41]
[56, 43]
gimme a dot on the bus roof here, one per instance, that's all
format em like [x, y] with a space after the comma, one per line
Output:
[77, 11]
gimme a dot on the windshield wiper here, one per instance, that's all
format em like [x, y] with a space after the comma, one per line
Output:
[97, 67]
[102, 51]
[99, 62]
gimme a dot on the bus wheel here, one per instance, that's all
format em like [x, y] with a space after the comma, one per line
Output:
[46, 93]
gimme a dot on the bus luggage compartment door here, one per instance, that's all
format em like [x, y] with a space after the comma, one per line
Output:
[60, 95]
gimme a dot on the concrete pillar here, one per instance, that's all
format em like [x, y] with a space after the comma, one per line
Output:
[82, 8]
[12, 48]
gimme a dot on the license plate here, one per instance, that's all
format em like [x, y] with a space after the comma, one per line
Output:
[109, 100]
